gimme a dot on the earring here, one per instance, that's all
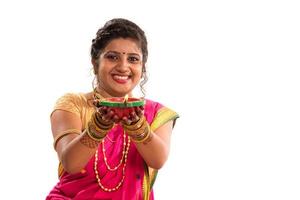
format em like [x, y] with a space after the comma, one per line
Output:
[94, 83]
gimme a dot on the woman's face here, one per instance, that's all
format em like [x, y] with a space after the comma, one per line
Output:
[120, 67]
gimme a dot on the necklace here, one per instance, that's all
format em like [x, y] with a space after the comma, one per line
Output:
[121, 160]
[124, 157]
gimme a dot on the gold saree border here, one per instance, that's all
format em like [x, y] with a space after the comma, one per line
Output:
[162, 116]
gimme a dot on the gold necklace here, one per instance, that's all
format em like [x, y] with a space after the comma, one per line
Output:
[123, 169]
[121, 160]
[97, 95]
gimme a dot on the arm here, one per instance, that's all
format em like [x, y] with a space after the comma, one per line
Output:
[68, 146]
[156, 151]
[154, 148]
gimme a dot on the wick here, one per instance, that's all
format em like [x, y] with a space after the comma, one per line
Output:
[125, 99]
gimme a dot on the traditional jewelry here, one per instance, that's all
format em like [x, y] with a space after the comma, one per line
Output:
[142, 137]
[63, 134]
[147, 140]
[106, 189]
[94, 133]
[140, 131]
[96, 95]
[136, 125]
[121, 160]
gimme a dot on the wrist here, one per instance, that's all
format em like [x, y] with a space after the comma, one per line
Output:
[139, 132]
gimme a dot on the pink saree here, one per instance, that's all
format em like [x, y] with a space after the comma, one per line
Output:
[138, 180]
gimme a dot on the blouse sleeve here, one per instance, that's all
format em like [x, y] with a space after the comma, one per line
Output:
[163, 116]
[69, 102]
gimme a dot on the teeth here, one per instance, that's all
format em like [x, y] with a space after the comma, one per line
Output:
[121, 77]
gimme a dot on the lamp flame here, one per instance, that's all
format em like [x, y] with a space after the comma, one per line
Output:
[126, 99]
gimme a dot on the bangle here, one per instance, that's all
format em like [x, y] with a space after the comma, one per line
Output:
[141, 134]
[100, 125]
[63, 134]
[140, 138]
[148, 139]
[135, 126]
[99, 122]
[93, 134]
[138, 131]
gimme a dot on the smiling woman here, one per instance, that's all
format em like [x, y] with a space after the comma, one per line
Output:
[104, 155]
[120, 68]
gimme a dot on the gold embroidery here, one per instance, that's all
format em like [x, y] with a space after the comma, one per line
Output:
[162, 116]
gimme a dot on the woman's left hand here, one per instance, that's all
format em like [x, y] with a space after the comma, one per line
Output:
[134, 116]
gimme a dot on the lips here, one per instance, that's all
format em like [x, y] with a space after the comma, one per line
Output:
[120, 78]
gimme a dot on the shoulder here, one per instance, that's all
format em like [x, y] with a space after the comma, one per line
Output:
[76, 98]
[71, 102]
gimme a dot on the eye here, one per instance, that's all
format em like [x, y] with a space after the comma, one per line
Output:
[133, 59]
[111, 56]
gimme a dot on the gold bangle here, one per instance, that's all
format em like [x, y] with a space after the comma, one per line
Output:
[101, 123]
[63, 134]
[97, 130]
[92, 134]
[142, 138]
[138, 131]
[98, 117]
[135, 126]
[148, 139]
[141, 134]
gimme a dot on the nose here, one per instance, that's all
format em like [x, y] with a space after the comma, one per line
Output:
[123, 65]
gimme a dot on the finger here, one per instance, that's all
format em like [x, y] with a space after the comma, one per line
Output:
[110, 114]
[103, 110]
[115, 119]
[126, 121]
[141, 107]
[134, 117]
[139, 112]
[96, 103]
[106, 118]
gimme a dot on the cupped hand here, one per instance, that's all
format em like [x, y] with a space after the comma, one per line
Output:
[135, 115]
[107, 114]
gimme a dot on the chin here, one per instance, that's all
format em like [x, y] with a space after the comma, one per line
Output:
[121, 94]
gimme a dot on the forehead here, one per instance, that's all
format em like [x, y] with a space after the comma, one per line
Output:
[127, 45]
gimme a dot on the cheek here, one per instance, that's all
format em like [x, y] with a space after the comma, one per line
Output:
[102, 69]
[138, 72]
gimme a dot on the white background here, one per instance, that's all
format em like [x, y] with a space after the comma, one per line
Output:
[229, 68]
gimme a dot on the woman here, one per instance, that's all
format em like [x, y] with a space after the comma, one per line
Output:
[103, 156]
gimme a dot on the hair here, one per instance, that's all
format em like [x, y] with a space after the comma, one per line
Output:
[120, 28]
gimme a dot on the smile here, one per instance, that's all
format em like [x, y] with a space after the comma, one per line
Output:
[120, 79]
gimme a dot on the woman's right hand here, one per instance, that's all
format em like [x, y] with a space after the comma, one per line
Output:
[107, 114]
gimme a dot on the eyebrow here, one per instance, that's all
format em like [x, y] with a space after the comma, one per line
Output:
[116, 52]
